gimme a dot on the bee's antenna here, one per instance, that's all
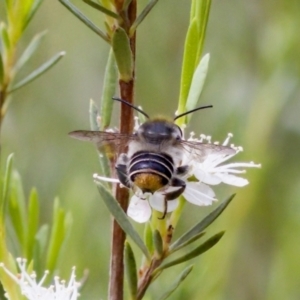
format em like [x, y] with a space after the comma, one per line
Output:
[191, 111]
[131, 105]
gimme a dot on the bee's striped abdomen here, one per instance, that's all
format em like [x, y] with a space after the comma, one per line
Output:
[150, 171]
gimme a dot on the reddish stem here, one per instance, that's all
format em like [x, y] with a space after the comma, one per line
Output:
[122, 195]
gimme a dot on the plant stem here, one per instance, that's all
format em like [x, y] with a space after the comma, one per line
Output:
[146, 279]
[116, 281]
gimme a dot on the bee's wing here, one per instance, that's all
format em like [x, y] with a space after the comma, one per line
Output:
[200, 151]
[109, 142]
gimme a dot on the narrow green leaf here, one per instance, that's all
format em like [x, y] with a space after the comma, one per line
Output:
[199, 227]
[9, 4]
[131, 271]
[4, 37]
[34, 7]
[74, 10]
[29, 51]
[102, 9]
[17, 209]
[193, 9]
[188, 242]
[39, 251]
[1, 70]
[58, 232]
[123, 54]
[12, 290]
[192, 49]
[37, 72]
[120, 216]
[148, 237]
[94, 116]
[142, 16]
[94, 124]
[109, 89]
[33, 220]
[202, 14]
[6, 183]
[194, 253]
[197, 84]
[177, 282]
[188, 65]
[158, 243]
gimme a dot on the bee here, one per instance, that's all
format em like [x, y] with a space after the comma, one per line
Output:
[155, 153]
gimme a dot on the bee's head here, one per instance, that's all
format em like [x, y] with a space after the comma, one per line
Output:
[158, 131]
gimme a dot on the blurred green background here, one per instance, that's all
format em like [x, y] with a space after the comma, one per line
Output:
[253, 83]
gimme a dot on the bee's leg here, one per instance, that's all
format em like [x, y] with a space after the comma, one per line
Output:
[122, 175]
[165, 208]
[182, 170]
[176, 182]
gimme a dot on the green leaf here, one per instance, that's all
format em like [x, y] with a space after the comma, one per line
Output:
[6, 183]
[197, 84]
[148, 237]
[188, 65]
[131, 271]
[120, 216]
[34, 7]
[39, 251]
[193, 49]
[191, 240]
[1, 70]
[33, 221]
[177, 282]
[4, 38]
[12, 289]
[109, 89]
[199, 227]
[102, 9]
[74, 10]
[37, 72]
[94, 124]
[17, 209]
[158, 243]
[58, 234]
[93, 112]
[29, 51]
[123, 54]
[142, 16]
[201, 14]
[194, 253]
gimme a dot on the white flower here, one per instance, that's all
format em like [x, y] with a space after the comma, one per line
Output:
[140, 206]
[211, 172]
[34, 290]
[208, 171]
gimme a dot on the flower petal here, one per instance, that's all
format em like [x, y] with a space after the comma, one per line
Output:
[206, 177]
[157, 202]
[199, 194]
[233, 180]
[139, 210]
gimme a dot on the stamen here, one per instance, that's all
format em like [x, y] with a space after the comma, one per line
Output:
[202, 137]
[229, 136]
[107, 179]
